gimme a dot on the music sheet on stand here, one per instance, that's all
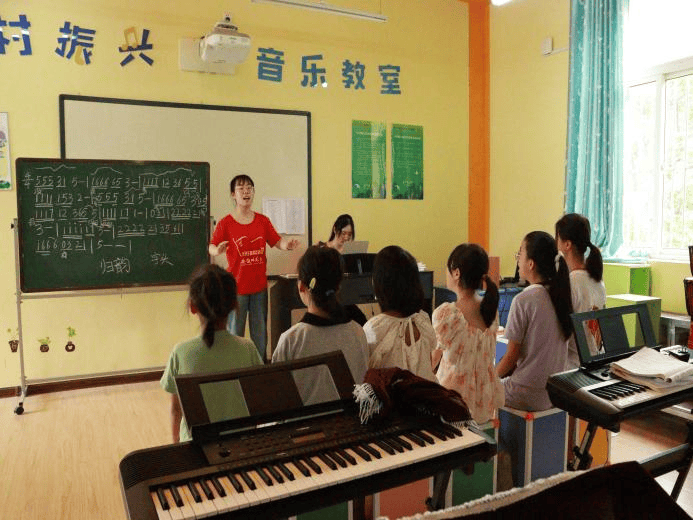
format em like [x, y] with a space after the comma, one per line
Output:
[287, 215]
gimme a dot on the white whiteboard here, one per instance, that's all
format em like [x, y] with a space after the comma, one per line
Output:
[272, 146]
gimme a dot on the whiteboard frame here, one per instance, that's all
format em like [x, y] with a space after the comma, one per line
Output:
[278, 262]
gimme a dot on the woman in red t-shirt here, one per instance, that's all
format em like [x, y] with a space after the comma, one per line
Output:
[242, 235]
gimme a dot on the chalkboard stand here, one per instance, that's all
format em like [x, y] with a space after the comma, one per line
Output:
[21, 296]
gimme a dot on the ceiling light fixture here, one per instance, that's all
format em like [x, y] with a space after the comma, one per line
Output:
[327, 8]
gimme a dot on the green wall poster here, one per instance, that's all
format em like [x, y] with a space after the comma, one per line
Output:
[407, 162]
[368, 160]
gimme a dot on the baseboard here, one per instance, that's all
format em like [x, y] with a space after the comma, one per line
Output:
[82, 382]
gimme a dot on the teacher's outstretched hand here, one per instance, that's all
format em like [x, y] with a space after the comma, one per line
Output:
[218, 249]
[289, 245]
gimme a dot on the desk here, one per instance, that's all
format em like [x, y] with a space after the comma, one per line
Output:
[355, 289]
[674, 328]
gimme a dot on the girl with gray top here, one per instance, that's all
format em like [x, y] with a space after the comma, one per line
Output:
[538, 326]
[324, 328]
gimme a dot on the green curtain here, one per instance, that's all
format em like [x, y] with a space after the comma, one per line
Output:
[594, 164]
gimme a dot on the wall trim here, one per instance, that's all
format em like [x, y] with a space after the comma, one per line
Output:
[82, 382]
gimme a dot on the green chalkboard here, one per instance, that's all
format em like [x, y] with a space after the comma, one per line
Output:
[87, 224]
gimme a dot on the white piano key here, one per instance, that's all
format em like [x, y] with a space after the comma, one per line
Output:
[302, 481]
[197, 510]
[291, 485]
[161, 513]
[240, 499]
[264, 492]
[208, 505]
[255, 496]
[222, 504]
[175, 511]
[277, 489]
[186, 509]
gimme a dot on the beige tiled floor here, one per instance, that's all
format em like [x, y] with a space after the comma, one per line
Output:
[646, 436]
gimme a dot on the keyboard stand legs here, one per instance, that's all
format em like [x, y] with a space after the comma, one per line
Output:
[678, 459]
[583, 459]
[440, 486]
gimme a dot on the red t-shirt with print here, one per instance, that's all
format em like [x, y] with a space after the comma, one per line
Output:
[246, 250]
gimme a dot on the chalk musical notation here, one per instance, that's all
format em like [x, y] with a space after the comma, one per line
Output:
[86, 224]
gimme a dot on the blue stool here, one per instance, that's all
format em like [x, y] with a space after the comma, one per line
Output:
[536, 441]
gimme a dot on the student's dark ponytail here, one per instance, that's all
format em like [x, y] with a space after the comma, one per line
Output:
[577, 229]
[553, 269]
[594, 263]
[213, 293]
[320, 269]
[472, 261]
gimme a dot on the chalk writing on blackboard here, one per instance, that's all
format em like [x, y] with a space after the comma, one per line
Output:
[111, 223]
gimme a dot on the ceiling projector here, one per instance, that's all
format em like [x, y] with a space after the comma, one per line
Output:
[225, 44]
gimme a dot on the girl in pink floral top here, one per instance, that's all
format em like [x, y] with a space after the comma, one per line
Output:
[466, 333]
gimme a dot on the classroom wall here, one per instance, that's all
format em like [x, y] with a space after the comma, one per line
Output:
[429, 40]
[529, 95]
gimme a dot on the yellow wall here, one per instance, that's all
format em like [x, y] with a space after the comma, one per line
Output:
[529, 95]
[427, 39]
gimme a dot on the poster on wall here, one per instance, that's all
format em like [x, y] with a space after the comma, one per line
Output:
[368, 160]
[5, 162]
[407, 162]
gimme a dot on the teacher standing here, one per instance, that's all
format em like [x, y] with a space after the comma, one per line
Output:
[242, 235]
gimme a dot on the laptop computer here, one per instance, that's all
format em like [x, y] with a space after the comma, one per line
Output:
[355, 246]
[611, 334]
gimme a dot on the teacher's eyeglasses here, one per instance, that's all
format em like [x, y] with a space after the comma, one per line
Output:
[245, 189]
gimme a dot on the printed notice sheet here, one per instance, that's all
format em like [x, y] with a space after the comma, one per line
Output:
[287, 215]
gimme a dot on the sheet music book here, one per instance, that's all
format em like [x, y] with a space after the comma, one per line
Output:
[653, 369]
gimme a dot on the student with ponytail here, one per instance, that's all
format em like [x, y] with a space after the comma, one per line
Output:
[326, 326]
[586, 283]
[212, 297]
[538, 326]
[401, 335]
[466, 333]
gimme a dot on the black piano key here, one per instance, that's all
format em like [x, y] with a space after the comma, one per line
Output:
[312, 465]
[248, 481]
[393, 444]
[385, 447]
[406, 445]
[301, 467]
[217, 485]
[264, 476]
[275, 474]
[351, 460]
[361, 453]
[423, 435]
[327, 460]
[335, 457]
[436, 433]
[442, 430]
[416, 440]
[452, 430]
[371, 451]
[162, 499]
[176, 496]
[235, 483]
[286, 471]
[193, 491]
[205, 489]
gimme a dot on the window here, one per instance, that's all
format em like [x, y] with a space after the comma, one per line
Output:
[658, 130]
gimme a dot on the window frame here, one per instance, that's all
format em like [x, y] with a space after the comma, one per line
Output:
[659, 75]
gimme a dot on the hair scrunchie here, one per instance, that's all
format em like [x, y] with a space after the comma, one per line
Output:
[329, 292]
[557, 260]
